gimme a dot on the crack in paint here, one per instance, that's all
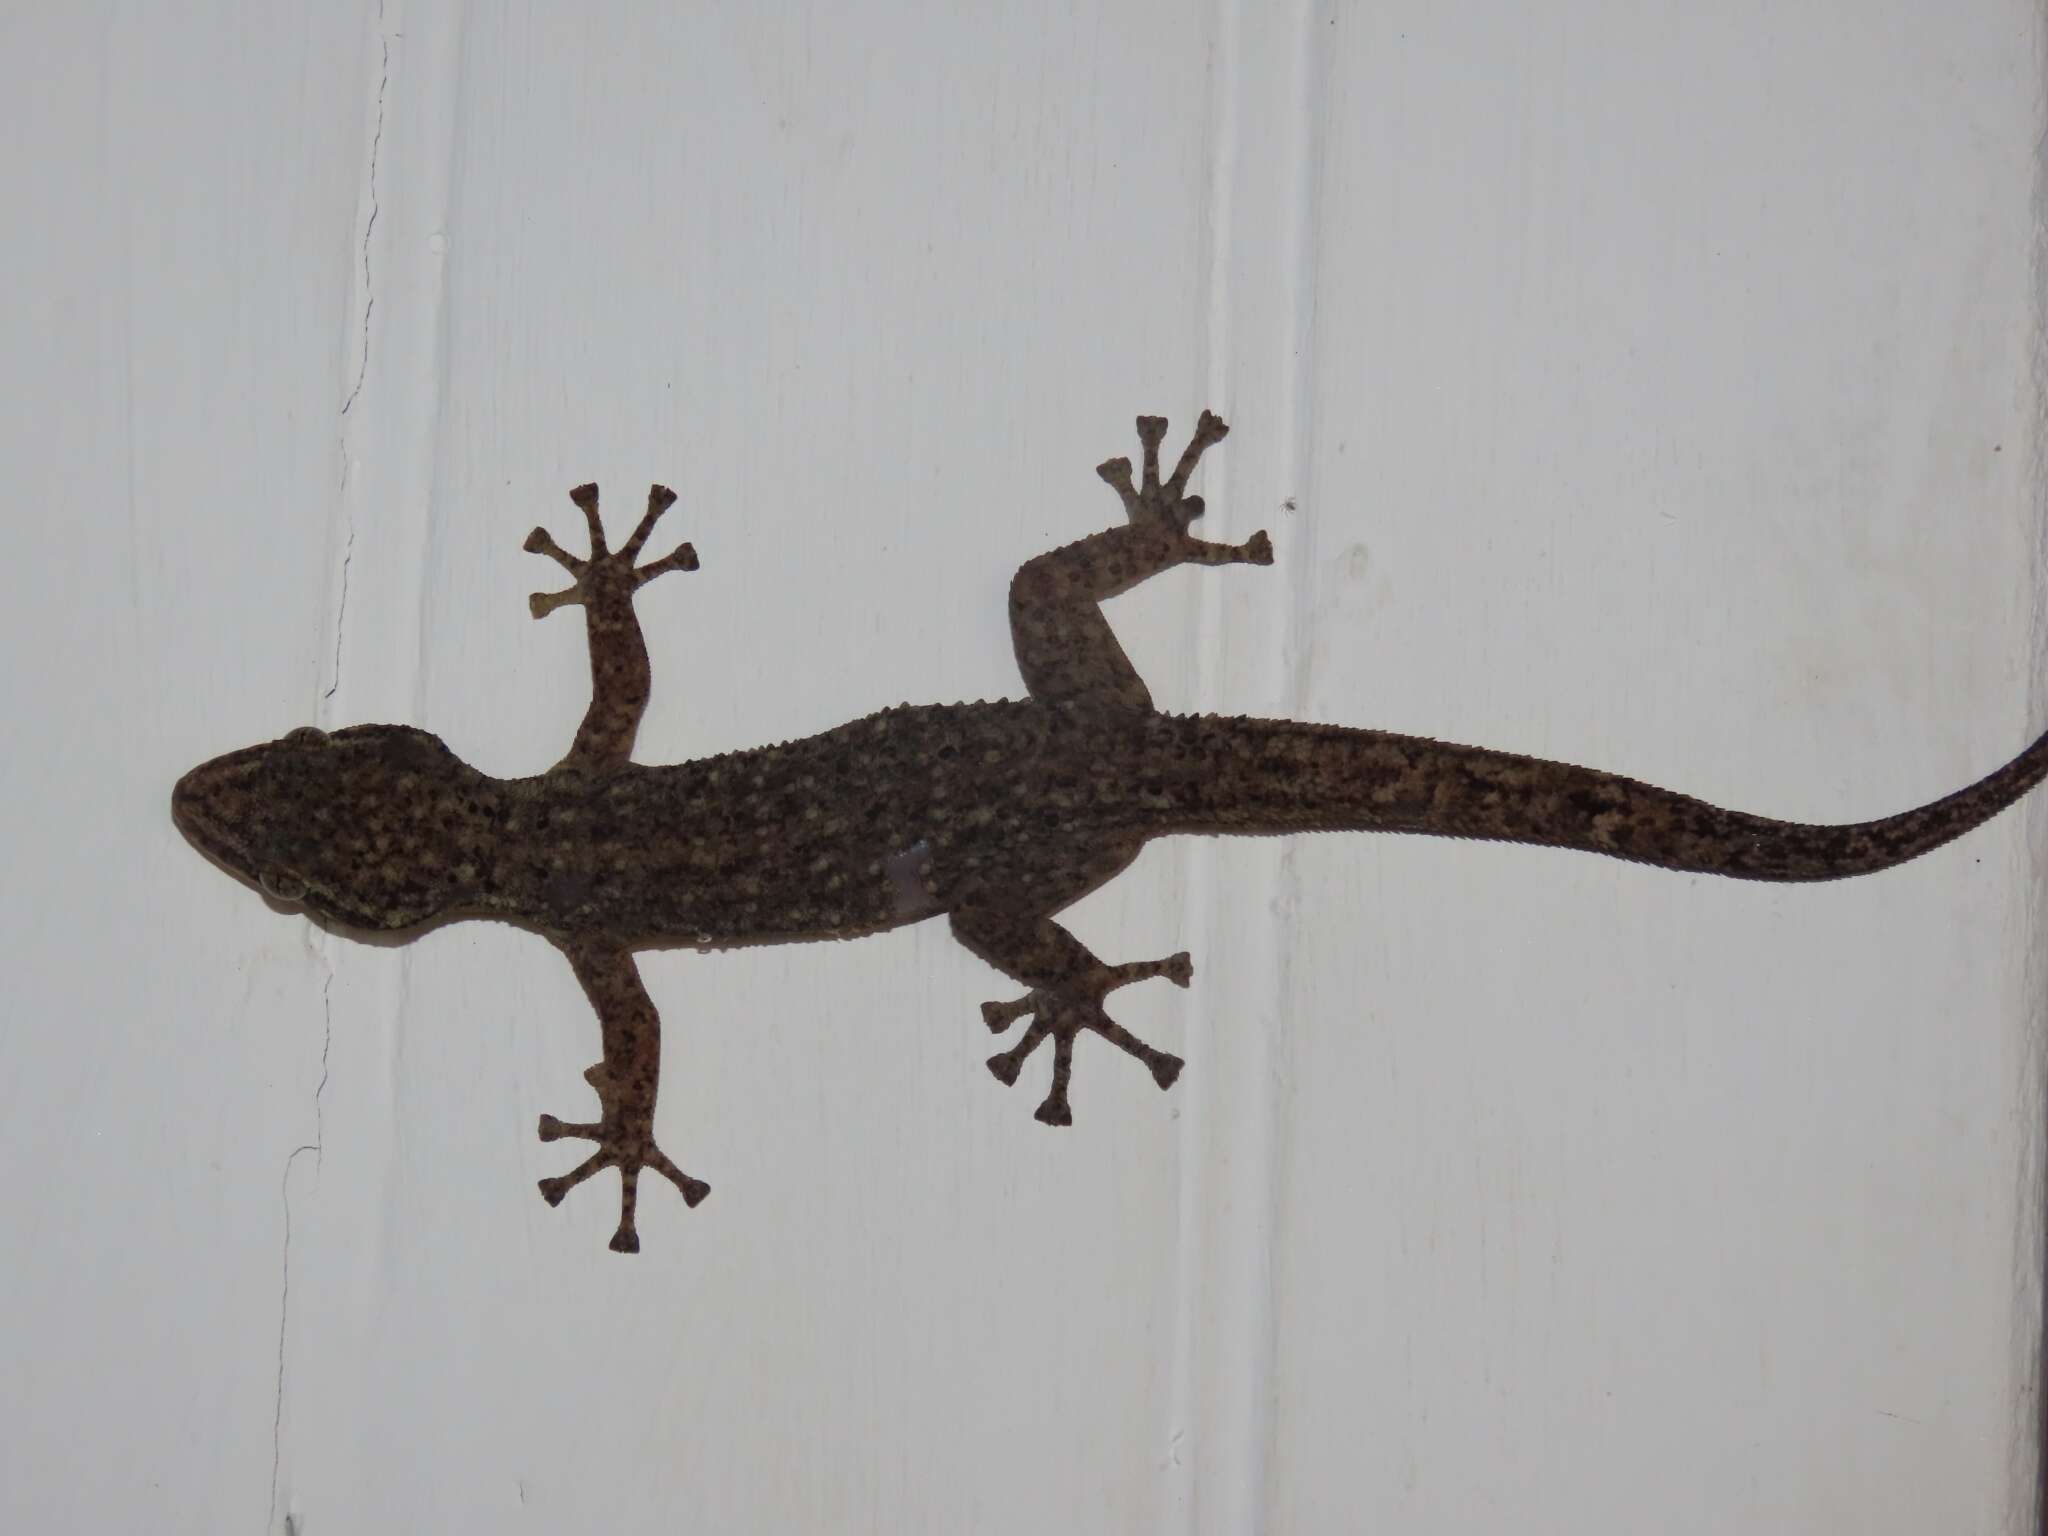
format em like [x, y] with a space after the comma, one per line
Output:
[376, 145]
[317, 1145]
[284, 1306]
[348, 555]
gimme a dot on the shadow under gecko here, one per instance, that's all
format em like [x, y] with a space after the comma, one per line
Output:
[997, 815]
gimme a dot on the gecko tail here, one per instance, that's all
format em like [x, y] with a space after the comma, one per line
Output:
[1282, 776]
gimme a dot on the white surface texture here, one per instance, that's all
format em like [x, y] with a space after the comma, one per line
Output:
[1658, 387]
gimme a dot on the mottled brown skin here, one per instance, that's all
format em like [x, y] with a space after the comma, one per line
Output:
[995, 814]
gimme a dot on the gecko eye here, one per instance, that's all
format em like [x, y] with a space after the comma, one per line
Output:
[305, 736]
[284, 886]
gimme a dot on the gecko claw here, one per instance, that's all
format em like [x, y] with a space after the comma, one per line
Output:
[552, 1190]
[1060, 1013]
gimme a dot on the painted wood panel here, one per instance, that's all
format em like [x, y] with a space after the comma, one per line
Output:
[1647, 387]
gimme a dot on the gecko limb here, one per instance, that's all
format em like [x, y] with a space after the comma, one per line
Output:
[604, 586]
[1065, 647]
[627, 1082]
[1068, 985]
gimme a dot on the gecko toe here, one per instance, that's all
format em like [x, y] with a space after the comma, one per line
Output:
[552, 1190]
[1000, 1016]
[1051, 1113]
[693, 1190]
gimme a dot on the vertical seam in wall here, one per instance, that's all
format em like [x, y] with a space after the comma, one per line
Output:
[1198, 912]
[456, 19]
[2029, 1482]
[1234, 1491]
[1303, 225]
[439, 63]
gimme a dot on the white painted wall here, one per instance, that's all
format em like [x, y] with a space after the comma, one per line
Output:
[1659, 387]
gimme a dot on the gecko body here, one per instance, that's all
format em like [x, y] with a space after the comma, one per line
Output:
[994, 814]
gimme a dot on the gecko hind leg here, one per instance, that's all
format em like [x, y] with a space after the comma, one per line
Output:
[627, 1081]
[1066, 999]
[1065, 647]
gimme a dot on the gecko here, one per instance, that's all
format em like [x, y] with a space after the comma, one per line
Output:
[996, 815]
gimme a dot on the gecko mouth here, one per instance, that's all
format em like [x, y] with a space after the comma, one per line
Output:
[188, 811]
[208, 805]
[197, 813]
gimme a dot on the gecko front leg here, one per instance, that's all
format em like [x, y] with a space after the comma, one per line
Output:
[627, 1081]
[605, 584]
[1067, 985]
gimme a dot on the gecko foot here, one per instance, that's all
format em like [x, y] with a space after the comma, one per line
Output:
[605, 573]
[1168, 506]
[1062, 1012]
[625, 1142]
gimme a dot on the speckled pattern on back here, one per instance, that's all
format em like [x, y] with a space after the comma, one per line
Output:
[995, 814]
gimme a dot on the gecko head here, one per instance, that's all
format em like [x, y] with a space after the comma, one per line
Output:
[367, 826]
